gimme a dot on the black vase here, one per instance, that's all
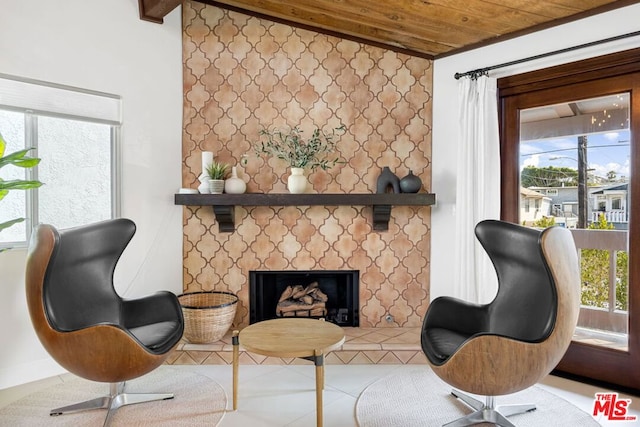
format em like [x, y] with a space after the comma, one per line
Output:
[410, 183]
[386, 179]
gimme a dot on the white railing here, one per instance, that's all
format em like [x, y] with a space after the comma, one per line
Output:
[613, 241]
[611, 216]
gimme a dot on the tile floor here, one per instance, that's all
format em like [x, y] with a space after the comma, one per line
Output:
[283, 395]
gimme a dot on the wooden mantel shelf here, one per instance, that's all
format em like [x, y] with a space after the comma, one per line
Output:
[223, 204]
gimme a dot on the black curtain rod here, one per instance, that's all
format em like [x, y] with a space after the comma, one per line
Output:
[483, 71]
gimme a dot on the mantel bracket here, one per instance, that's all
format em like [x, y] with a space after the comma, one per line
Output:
[225, 216]
[381, 217]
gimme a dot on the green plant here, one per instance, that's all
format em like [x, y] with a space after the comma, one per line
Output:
[21, 160]
[217, 170]
[544, 222]
[290, 146]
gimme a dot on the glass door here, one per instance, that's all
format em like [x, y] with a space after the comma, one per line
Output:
[574, 172]
[569, 157]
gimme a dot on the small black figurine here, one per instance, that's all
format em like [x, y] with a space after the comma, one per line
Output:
[386, 179]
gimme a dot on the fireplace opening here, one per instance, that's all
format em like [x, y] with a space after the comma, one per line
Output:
[330, 294]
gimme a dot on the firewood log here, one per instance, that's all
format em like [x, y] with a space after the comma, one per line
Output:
[287, 306]
[298, 292]
[286, 294]
[320, 296]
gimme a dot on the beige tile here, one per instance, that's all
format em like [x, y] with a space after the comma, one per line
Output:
[394, 347]
[360, 359]
[372, 337]
[185, 359]
[355, 345]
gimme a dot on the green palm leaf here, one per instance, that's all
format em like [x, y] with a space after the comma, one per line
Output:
[21, 160]
[8, 224]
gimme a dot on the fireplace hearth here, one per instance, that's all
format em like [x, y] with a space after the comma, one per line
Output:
[340, 287]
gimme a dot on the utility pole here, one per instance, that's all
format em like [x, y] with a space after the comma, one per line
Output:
[583, 195]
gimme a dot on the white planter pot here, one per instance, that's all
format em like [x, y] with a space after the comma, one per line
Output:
[297, 182]
[216, 186]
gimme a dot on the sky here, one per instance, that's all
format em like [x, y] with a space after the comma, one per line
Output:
[605, 152]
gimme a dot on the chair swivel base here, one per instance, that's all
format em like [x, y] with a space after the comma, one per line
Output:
[116, 399]
[488, 412]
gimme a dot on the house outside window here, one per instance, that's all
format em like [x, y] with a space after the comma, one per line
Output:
[75, 133]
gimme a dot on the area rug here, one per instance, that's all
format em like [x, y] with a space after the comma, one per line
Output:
[198, 401]
[419, 398]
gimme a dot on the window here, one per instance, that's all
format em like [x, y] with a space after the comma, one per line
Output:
[616, 203]
[602, 206]
[76, 135]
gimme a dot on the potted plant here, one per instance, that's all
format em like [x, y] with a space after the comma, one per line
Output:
[19, 159]
[290, 146]
[217, 172]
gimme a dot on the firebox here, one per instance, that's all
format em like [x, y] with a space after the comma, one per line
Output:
[330, 294]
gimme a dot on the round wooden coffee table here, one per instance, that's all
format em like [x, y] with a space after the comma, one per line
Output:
[308, 339]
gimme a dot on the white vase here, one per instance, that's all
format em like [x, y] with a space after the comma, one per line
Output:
[297, 182]
[203, 188]
[233, 184]
[216, 186]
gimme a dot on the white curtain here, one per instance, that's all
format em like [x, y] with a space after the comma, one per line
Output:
[477, 186]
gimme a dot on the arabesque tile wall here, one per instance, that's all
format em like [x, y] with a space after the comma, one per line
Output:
[241, 74]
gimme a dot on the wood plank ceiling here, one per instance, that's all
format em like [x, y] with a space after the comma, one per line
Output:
[426, 28]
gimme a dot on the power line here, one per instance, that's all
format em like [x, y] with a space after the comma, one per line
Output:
[574, 149]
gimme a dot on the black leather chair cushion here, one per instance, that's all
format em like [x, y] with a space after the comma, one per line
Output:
[158, 337]
[441, 343]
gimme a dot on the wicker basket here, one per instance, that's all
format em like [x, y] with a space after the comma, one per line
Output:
[207, 315]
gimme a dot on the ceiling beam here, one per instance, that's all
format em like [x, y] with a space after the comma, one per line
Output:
[156, 10]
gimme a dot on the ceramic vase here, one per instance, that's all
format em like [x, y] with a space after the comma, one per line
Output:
[387, 179]
[410, 183]
[297, 182]
[207, 159]
[203, 188]
[216, 186]
[233, 184]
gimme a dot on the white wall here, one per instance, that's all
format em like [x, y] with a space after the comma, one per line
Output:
[104, 46]
[445, 95]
